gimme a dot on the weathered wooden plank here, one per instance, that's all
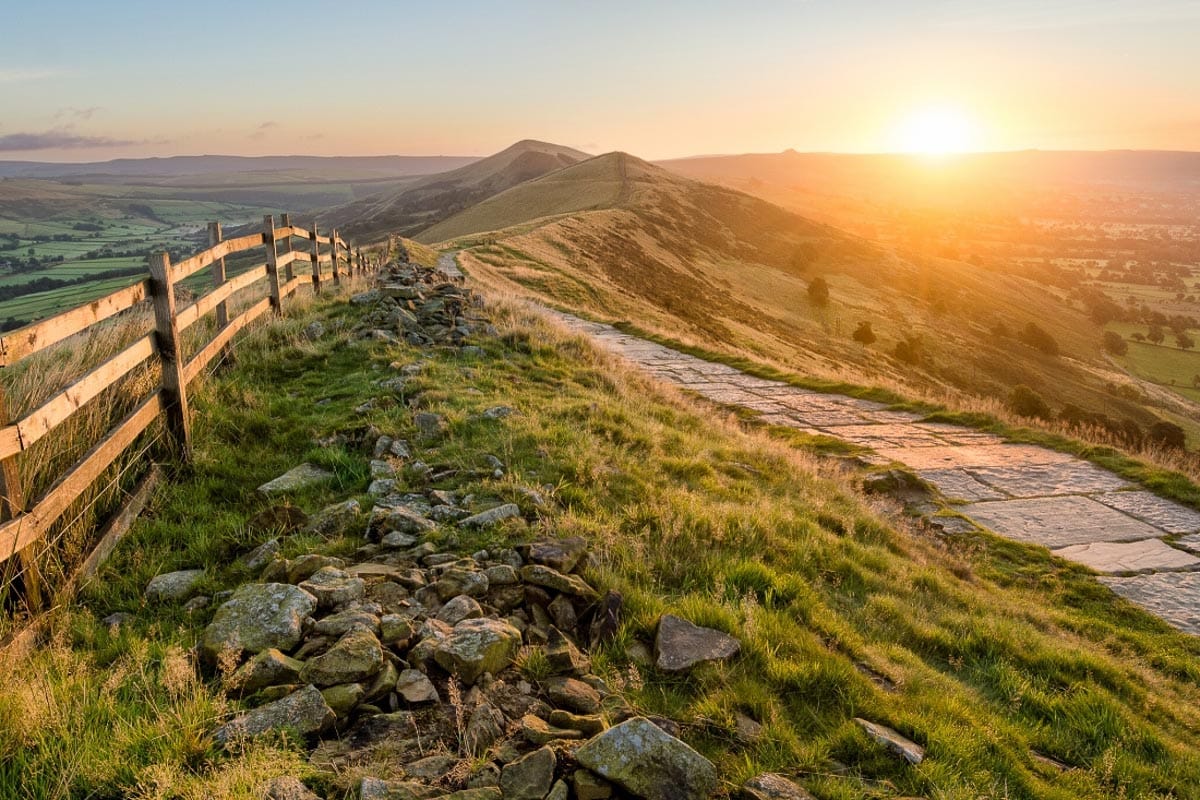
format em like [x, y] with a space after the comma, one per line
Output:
[295, 283]
[190, 266]
[333, 257]
[288, 230]
[28, 340]
[201, 360]
[116, 528]
[22, 434]
[174, 387]
[188, 316]
[17, 534]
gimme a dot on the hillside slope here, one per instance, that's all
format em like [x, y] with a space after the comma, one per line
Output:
[623, 240]
[992, 656]
[428, 200]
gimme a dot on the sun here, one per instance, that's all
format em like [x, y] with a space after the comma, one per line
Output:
[935, 132]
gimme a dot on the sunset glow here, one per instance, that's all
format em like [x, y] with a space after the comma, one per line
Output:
[935, 131]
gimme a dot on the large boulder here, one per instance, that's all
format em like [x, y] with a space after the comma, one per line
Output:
[258, 616]
[680, 645]
[478, 646]
[268, 668]
[333, 587]
[304, 711]
[353, 658]
[649, 763]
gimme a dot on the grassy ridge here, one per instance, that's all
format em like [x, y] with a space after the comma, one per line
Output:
[980, 649]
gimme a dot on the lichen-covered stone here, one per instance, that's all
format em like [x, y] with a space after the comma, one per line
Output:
[680, 645]
[648, 763]
[258, 616]
[304, 711]
[354, 658]
[478, 646]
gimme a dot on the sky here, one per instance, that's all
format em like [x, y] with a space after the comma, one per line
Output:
[126, 78]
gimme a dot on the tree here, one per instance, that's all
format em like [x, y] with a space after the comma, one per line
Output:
[1139, 337]
[818, 291]
[864, 334]
[1025, 402]
[1114, 344]
[1155, 334]
[1184, 341]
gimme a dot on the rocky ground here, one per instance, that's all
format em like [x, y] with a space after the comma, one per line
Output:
[415, 670]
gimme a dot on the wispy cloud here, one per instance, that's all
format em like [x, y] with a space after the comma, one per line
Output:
[262, 129]
[57, 140]
[77, 114]
[12, 75]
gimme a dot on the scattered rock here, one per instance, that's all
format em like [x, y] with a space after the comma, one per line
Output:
[897, 744]
[333, 587]
[260, 556]
[334, 520]
[279, 520]
[590, 786]
[769, 786]
[493, 516]
[478, 646]
[288, 788]
[295, 479]
[268, 668]
[680, 645]
[529, 777]
[607, 620]
[458, 609]
[541, 575]
[304, 711]
[559, 554]
[258, 616]
[415, 687]
[174, 585]
[354, 658]
[648, 763]
[573, 694]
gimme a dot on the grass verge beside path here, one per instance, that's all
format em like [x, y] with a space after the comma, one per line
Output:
[980, 650]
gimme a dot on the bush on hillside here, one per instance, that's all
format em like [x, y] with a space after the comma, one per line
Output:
[1167, 434]
[910, 351]
[1025, 402]
[818, 291]
[863, 334]
[1037, 338]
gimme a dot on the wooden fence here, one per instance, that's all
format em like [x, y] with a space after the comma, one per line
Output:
[22, 526]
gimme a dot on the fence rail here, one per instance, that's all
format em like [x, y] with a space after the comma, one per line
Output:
[327, 256]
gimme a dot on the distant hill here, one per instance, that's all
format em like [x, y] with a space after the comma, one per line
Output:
[342, 167]
[429, 200]
[618, 238]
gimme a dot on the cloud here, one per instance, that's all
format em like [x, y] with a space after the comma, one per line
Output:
[57, 140]
[261, 130]
[22, 75]
[77, 114]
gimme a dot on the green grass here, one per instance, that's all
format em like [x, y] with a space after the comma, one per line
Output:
[994, 647]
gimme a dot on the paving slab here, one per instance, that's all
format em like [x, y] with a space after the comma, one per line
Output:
[1158, 511]
[1115, 558]
[1172, 596]
[958, 484]
[1040, 480]
[1059, 521]
[953, 456]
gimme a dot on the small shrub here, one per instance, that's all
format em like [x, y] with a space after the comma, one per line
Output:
[1025, 402]
[1113, 343]
[863, 334]
[1167, 434]
[1037, 338]
[818, 291]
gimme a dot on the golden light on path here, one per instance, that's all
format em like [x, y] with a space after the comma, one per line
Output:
[934, 132]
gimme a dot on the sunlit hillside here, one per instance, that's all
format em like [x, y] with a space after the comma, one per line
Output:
[620, 239]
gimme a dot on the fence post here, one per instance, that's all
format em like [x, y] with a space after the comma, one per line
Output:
[333, 256]
[285, 221]
[12, 503]
[215, 237]
[315, 256]
[272, 262]
[166, 332]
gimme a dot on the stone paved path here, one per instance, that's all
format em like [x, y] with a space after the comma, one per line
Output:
[1145, 547]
